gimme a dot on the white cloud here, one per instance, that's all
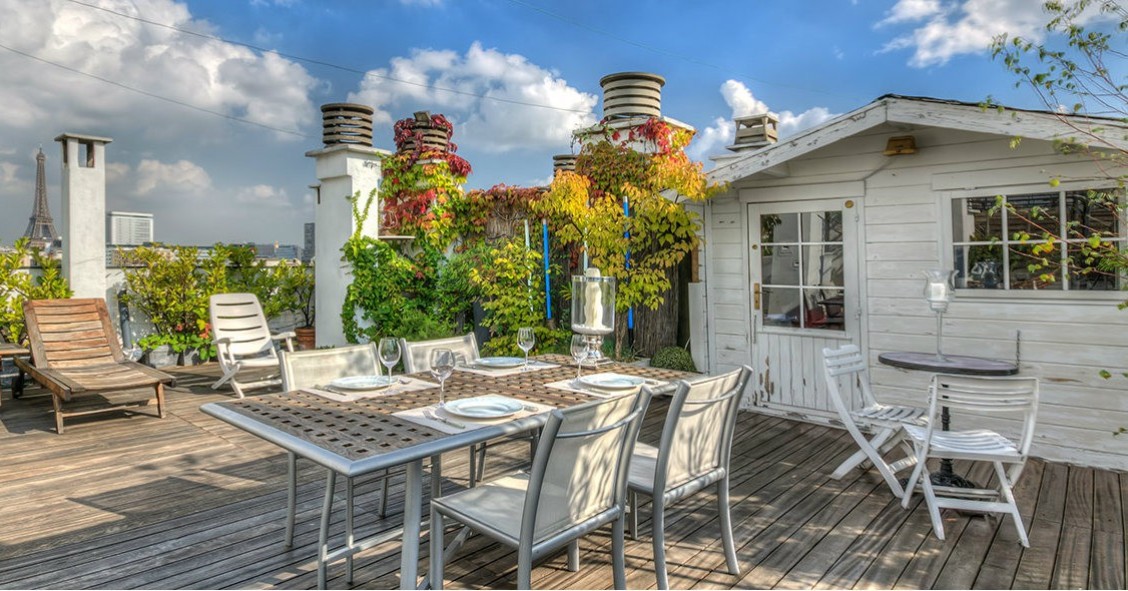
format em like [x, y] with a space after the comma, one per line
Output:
[116, 172]
[181, 178]
[263, 195]
[964, 27]
[911, 11]
[740, 99]
[8, 172]
[208, 74]
[490, 125]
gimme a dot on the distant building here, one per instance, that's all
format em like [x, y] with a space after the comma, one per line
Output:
[277, 251]
[307, 251]
[126, 228]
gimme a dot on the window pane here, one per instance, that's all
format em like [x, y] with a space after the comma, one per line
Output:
[1031, 270]
[1092, 213]
[825, 309]
[1033, 216]
[781, 306]
[979, 267]
[1094, 269]
[782, 227]
[822, 266]
[972, 220]
[780, 265]
[822, 226]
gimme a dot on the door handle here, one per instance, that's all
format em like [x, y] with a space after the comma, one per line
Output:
[756, 296]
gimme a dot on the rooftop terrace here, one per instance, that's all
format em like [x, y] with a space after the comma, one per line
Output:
[131, 501]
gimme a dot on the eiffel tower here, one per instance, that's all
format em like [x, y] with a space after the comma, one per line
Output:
[40, 228]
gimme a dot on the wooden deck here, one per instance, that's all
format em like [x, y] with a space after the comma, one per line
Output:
[130, 501]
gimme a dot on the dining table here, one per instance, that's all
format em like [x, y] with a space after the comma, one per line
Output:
[401, 426]
[966, 365]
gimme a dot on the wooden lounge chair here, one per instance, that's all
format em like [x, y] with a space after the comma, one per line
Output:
[75, 353]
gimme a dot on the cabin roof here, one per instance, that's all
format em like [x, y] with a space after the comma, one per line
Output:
[1104, 132]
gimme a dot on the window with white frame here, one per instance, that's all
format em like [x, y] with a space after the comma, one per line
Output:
[1054, 240]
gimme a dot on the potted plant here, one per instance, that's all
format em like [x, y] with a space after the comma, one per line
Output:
[164, 285]
[296, 291]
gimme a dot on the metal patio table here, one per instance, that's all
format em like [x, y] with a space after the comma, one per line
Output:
[352, 439]
[964, 365]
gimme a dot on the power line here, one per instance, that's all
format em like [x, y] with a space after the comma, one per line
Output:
[363, 73]
[156, 96]
[651, 48]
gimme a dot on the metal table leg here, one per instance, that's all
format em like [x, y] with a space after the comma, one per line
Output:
[412, 514]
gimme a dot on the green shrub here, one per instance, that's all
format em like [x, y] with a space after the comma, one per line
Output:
[673, 358]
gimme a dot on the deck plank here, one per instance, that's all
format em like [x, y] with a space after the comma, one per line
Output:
[128, 501]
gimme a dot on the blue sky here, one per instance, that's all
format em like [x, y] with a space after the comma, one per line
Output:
[220, 155]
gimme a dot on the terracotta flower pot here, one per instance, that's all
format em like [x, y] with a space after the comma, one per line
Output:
[306, 337]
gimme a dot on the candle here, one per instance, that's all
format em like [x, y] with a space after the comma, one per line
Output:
[593, 301]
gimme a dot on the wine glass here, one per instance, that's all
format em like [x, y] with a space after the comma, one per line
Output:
[389, 353]
[442, 365]
[579, 351]
[526, 339]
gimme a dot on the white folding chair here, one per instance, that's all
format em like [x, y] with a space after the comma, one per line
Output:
[243, 340]
[693, 454]
[577, 484]
[845, 368]
[973, 397]
[316, 368]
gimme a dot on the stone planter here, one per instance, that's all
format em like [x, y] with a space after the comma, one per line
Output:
[188, 358]
[160, 357]
[306, 337]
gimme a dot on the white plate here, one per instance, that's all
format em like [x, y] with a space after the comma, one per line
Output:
[362, 382]
[500, 362]
[484, 407]
[610, 381]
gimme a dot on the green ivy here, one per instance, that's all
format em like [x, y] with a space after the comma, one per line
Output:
[17, 285]
[511, 284]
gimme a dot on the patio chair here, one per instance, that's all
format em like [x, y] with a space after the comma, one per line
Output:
[243, 340]
[417, 354]
[693, 454]
[979, 396]
[577, 484]
[417, 358]
[845, 369]
[75, 353]
[315, 368]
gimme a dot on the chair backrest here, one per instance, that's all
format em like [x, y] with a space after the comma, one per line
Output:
[581, 464]
[73, 332]
[239, 317]
[697, 437]
[306, 369]
[845, 368]
[985, 396]
[417, 354]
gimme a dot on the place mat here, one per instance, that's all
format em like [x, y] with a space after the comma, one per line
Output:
[534, 365]
[572, 385]
[464, 424]
[405, 384]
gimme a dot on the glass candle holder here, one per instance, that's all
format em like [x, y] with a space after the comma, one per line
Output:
[593, 308]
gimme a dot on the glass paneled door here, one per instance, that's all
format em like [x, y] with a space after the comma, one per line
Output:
[804, 295]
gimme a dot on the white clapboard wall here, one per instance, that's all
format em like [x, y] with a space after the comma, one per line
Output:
[1066, 339]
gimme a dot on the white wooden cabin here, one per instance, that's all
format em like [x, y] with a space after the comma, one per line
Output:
[865, 217]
